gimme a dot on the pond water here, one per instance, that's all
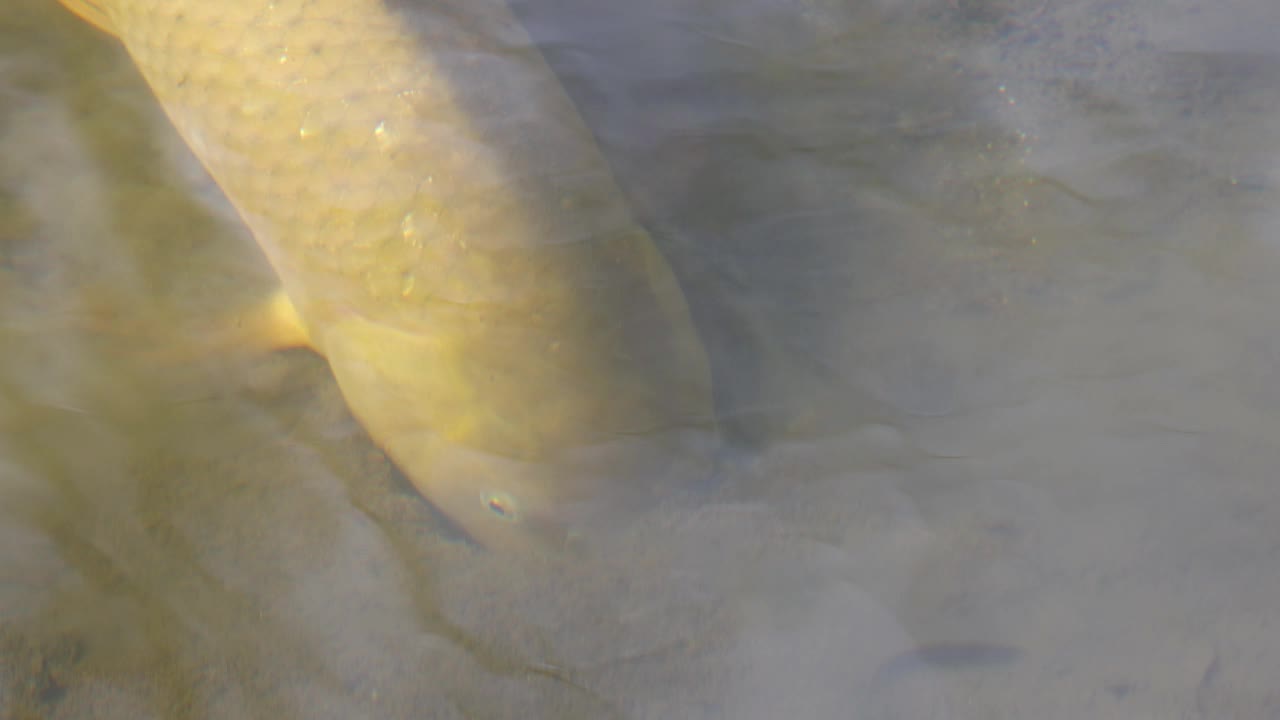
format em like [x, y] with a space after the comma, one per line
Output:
[988, 293]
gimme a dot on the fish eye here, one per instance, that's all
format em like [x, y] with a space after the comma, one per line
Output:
[501, 505]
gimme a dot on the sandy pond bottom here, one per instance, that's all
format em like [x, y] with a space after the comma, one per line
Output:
[990, 292]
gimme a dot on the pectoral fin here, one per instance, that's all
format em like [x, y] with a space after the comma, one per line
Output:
[270, 324]
[273, 324]
[91, 12]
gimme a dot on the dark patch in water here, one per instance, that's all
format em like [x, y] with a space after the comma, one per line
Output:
[948, 656]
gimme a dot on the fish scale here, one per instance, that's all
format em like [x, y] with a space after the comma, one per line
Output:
[448, 236]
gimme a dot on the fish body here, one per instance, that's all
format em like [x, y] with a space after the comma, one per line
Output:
[449, 238]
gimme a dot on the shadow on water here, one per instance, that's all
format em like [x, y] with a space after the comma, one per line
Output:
[744, 134]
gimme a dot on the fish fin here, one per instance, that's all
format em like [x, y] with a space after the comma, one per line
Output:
[91, 12]
[270, 324]
[273, 324]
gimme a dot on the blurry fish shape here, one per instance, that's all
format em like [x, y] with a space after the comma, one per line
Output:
[447, 235]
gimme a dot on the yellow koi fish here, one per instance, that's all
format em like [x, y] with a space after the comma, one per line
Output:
[449, 238]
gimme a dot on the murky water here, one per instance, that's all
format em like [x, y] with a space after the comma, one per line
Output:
[989, 294]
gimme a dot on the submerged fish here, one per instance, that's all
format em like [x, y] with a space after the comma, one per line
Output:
[449, 238]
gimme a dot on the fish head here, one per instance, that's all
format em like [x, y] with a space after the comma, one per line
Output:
[498, 442]
[552, 503]
[501, 503]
